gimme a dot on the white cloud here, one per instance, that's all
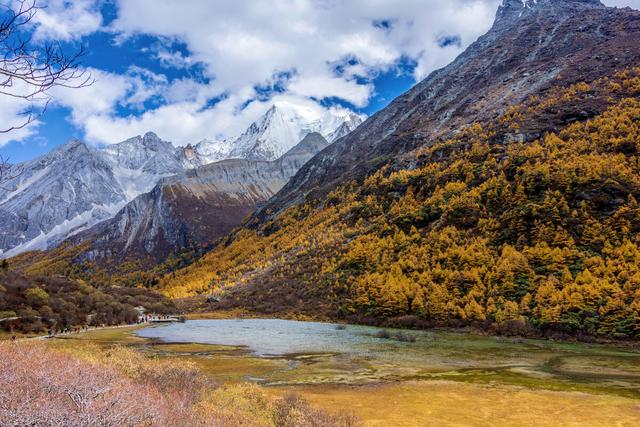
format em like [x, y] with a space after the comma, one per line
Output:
[95, 108]
[330, 86]
[19, 112]
[66, 20]
[12, 116]
[244, 44]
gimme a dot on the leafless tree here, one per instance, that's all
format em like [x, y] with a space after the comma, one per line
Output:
[29, 70]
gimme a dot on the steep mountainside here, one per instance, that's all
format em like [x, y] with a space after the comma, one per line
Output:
[141, 161]
[55, 195]
[195, 207]
[75, 186]
[532, 46]
[501, 192]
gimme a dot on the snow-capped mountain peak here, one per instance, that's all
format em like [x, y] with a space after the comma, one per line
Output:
[208, 151]
[77, 185]
[284, 125]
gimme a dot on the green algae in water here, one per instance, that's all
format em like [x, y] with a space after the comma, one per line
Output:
[304, 353]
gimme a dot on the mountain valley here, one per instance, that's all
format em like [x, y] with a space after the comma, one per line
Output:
[500, 193]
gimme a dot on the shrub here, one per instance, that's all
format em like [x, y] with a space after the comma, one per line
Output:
[36, 297]
[398, 336]
[88, 386]
[41, 387]
[404, 337]
[292, 411]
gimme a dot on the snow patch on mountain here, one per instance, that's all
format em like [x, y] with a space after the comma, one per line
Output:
[76, 186]
[66, 229]
[284, 125]
[213, 151]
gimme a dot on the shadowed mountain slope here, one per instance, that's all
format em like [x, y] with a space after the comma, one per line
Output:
[531, 47]
[501, 192]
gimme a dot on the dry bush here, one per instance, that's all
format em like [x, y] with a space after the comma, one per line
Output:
[90, 386]
[293, 411]
[249, 405]
[167, 375]
[42, 387]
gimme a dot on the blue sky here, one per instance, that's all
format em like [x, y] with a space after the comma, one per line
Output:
[199, 69]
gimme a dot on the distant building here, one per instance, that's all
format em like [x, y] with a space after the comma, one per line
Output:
[141, 311]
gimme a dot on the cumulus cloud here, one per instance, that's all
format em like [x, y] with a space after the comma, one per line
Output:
[297, 45]
[14, 114]
[301, 51]
[98, 108]
[66, 20]
[247, 42]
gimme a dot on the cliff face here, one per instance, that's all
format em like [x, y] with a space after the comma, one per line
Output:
[56, 194]
[532, 46]
[195, 207]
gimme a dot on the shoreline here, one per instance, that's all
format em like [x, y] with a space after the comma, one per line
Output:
[233, 314]
[470, 330]
[20, 337]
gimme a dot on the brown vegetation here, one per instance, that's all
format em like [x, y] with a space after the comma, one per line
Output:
[38, 304]
[516, 237]
[90, 386]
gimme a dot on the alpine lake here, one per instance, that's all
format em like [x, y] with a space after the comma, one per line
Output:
[407, 378]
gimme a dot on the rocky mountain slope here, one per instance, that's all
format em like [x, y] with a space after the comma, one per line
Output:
[55, 195]
[501, 192]
[532, 46]
[76, 186]
[194, 207]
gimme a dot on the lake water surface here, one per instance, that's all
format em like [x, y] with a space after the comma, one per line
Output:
[292, 352]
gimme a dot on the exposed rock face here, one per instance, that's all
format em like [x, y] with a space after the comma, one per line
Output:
[56, 195]
[197, 206]
[513, 10]
[75, 186]
[148, 153]
[532, 46]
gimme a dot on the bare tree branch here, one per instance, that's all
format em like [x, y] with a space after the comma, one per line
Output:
[29, 70]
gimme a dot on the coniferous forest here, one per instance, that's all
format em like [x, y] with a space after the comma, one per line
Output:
[476, 230]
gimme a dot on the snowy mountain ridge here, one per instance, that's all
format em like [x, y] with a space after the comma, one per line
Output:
[279, 130]
[75, 186]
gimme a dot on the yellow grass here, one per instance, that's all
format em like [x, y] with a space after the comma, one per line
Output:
[122, 335]
[409, 403]
[450, 403]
